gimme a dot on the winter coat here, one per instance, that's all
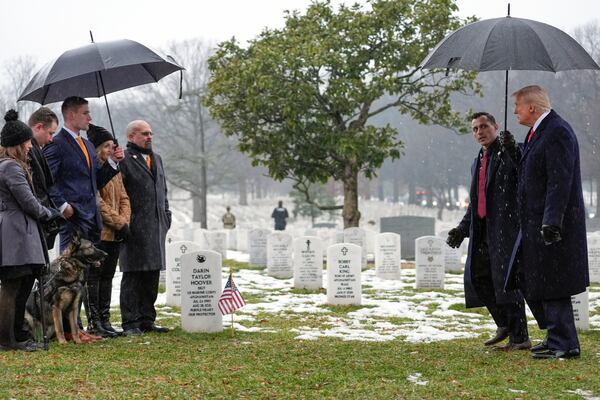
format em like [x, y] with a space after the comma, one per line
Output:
[150, 214]
[21, 240]
[501, 221]
[280, 214]
[41, 178]
[550, 193]
[114, 207]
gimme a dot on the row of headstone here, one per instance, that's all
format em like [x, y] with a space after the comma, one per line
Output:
[593, 244]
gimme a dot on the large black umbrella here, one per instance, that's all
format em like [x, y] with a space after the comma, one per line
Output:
[509, 44]
[97, 69]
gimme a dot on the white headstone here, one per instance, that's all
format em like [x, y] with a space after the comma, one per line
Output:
[243, 240]
[452, 256]
[232, 239]
[358, 237]
[310, 232]
[257, 247]
[199, 237]
[429, 262]
[217, 241]
[370, 237]
[174, 251]
[581, 310]
[593, 244]
[338, 237]
[343, 274]
[308, 263]
[387, 255]
[279, 255]
[201, 288]
[173, 237]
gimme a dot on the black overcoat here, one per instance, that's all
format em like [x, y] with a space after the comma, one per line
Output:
[550, 193]
[502, 223]
[150, 214]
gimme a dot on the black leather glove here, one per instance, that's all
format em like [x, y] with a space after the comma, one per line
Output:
[123, 233]
[550, 234]
[455, 238]
[509, 144]
[55, 216]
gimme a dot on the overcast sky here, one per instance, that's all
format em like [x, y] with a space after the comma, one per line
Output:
[45, 28]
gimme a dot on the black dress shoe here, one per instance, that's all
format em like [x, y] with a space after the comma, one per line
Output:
[526, 345]
[108, 327]
[97, 329]
[28, 345]
[133, 332]
[543, 346]
[542, 355]
[501, 334]
[153, 328]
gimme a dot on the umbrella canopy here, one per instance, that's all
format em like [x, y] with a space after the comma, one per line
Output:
[509, 44]
[97, 69]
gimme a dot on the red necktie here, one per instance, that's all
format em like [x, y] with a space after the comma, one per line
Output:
[481, 186]
[530, 135]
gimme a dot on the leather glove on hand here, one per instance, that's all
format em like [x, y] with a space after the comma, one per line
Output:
[550, 234]
[123, 233]
[455, 238]
[54, 217]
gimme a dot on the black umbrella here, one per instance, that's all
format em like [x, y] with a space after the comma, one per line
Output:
[509, 44]
[97, 69]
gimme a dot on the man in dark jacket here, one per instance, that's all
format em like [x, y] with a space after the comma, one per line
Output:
[550, 262]
[280, 215]
[43, 123]
[143, 255]
[491, 223]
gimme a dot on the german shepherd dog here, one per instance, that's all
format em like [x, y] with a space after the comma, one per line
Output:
[62, 289]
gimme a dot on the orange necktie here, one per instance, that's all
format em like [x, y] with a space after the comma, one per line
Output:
[148, 160]
[84, 150]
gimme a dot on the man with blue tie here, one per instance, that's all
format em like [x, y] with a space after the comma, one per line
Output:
[77, 177]
[549, 262]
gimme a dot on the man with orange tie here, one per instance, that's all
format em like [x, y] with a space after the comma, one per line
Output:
[492, 224]
[550, 262]
[143, 255]
[77, 177]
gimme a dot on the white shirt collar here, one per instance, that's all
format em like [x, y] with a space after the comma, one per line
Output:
[539, 120]
[74, 134]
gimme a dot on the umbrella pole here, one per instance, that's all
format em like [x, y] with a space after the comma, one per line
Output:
[112, 128]
[505, 101]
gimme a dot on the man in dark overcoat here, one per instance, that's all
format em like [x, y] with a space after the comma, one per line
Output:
[491, 223]
[549, 261]
[143, 255]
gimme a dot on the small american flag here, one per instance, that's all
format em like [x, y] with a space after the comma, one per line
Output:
[231, 298]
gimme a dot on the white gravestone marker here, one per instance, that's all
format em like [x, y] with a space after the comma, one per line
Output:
[257, 247]
[343, 274]
[199, 236]
[243, 240]
[174, 251]
[581, 310]
[429, 261]
[593, 244]
[452, 256]
[338, 237]
[217, 241]
[279, 255]
[358, 237]
[308, 263]
[232, 242]
[201, 288]
[387, 255]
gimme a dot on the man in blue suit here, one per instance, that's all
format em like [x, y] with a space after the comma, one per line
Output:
[549, 261]
[76, 175]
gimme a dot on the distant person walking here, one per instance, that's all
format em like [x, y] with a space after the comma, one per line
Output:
[228, 219]
[280, 215]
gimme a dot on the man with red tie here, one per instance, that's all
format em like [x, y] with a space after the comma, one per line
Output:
[491, 223]
[550, 262]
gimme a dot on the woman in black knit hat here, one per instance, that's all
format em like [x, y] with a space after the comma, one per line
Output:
[22, 247]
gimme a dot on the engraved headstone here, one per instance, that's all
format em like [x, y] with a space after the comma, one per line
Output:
[308, 263]
[581, 310]
[232, 236]
[257, 247]
[201, 287]
[279, 255]
[199, 237]
[242, 238]
[174, 251]
[343, 274]
[358, 237]
[429, 262]
[452, 256]
[387, 255]
[338, 237]
[217, 241]
[409, 228]
[593, 244]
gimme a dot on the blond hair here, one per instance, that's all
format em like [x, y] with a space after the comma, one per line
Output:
[18, 154]
[534, 95]
[99, 150]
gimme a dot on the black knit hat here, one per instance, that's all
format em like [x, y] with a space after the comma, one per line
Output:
[98, 135]
[14, 131]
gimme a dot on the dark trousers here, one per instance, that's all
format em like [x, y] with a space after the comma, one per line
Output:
[99, 283]
[557, 317]
[13, 298]
[509, 315]
[139, 290]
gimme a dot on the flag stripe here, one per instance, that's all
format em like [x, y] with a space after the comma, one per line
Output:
[231, 299]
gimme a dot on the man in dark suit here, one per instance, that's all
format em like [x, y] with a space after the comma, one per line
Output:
[77, 177]
[491, 223]
[143, 255]
[549, 261]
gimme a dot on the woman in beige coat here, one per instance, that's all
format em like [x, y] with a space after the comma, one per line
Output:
[116, 212]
